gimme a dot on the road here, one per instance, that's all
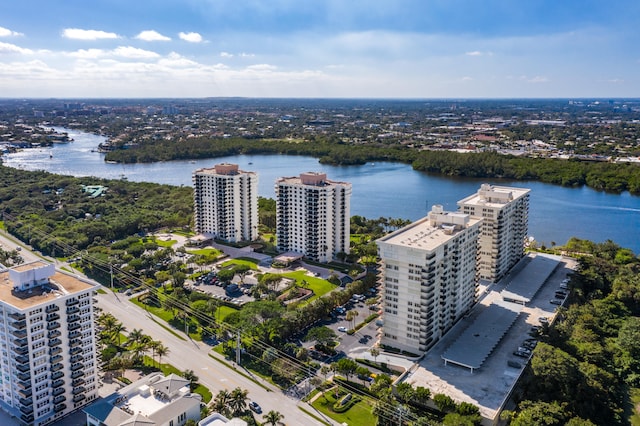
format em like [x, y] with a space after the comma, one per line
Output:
[192, 355]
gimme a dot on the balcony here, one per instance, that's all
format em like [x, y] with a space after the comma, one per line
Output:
[56, 384]
[24, 376]
[73, 318]
[72, 302]
[54, 351]
[27, 418]
[53, 317]
[75, 334]
[75, 350]
[54, 342]
[78, 382]
[53, 334]
[26, 393]
[26, 401]
[57, 366]
[19, 333]
[58, 399]
[76, 374]
[22, 359]
[26, 410]
[58, 391]
[23, 367]
[77, 366]
[18, 324]
[76, 358]
[25, 384]
[57, 375]
[73, 326]
[73, 310]
[55, 359]
[59, 407]
[21, 350]
[79, 398]
[75, 342]
[16, 316]
[53, 325]
[79, 389]
[52, 308]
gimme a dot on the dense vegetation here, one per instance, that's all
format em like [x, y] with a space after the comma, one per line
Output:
[330, 150]
[582, 371]
[40, 206]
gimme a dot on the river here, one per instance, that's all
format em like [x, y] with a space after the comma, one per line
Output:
[380, 189]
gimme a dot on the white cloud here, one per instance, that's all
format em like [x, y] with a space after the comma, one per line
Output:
[8, 48]
[134, 53]
[226, 55]
[538, 79]
[474, 53]
[467, 78]
[5, 32]
[152, 35]
[616, 80]
[87, 53]
[262, 67]
[79, 34]
[190, 37]
[246, 55]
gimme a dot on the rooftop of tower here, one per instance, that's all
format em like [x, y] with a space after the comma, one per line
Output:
[494, 196]
[35, 283]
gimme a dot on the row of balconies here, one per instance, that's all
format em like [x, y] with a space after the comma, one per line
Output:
[77, 373]
[72, 310]
[55, 342]
[57, 375]
[53, 325]
[72, 302]
[17, 316]
[18, 324]
[53, 334]
[53, 317]
[52, 308]
[59, 407]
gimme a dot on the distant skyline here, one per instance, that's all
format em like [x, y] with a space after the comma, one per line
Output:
[320, 48]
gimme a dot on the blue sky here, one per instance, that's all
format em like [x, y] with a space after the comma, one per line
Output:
[320, 48]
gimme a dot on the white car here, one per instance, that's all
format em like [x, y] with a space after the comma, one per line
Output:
[342, 329]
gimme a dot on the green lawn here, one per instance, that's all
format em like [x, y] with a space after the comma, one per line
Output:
[357, 415]
[206, 251]
[250, 262]
[318, 285]
[223, 311]
[162, 243]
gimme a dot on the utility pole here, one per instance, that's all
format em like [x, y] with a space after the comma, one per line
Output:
[111, 273]
[238, 348]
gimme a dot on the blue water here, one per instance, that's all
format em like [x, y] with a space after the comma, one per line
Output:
[380, 189]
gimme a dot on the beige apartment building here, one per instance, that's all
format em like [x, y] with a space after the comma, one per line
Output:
[313, 216]
[505, 211]
[226, 202]
[48, 365]
[428, 274]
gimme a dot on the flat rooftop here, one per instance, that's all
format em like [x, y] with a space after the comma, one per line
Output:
[523, 286]
[60, 284]
[494, 196]
[422, 235]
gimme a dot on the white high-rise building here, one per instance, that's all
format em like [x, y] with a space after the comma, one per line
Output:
[428, 273]
[48, 364]
[313, 216]
[505, 211]
[226, 202]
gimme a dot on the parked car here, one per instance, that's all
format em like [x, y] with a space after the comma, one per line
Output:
[342, 329]
[521, 354]
[555, 302]
[543, 320]
[514, 364]
[255, 407]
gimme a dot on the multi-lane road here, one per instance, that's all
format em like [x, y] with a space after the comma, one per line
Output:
[192, 355]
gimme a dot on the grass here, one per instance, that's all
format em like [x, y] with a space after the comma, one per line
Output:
[358, 415]
[162, 243]
[318, 285]
[240, 372]
[223, 311]
[250, 262]
[101, 291]
[206, 252]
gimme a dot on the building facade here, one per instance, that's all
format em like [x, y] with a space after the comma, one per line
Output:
[428, 278]
[226, 202]
[313, 216]
[505, 211]
[48, 364]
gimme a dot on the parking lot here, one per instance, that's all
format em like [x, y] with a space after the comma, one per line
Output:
[489, 386]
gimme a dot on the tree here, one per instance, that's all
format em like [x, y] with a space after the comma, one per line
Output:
[192, 378]
[351, 316]
[241, 270]
[272, 418]
[363, 373]
[161, 350]
[226, 275]
[444, 402]
[238, 401]
[221, 402]
[375, 352]
[322, 335]
[325, 370]
[405, 392]
[346, 366]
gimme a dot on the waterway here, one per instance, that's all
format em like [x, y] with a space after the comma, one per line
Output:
[379, 189]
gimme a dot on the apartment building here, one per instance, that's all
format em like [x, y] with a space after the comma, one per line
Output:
[505, 211]
[154, 400]
[226, 202]
[48, 362]
[313, 216]
[428, 278]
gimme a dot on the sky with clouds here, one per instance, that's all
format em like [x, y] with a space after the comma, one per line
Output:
[320, 48]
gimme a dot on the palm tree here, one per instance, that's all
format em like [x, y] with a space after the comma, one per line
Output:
[221, 402]
[191, 377]
[116, 330]
[375, 352]
[161, 350]
[272, 418]
[136, 335]
[153, 345]
[351, 316]
[238, 401]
